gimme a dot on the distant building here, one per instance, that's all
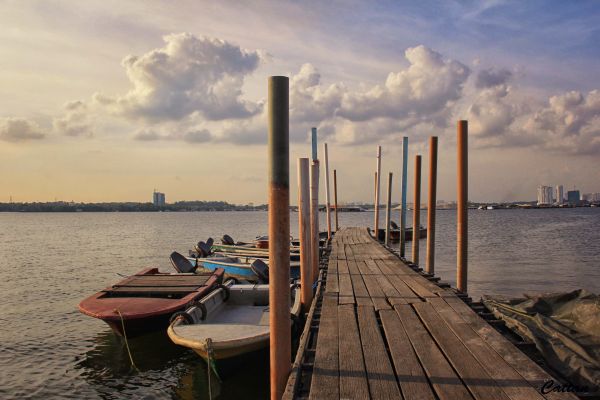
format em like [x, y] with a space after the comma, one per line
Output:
[573, 197]
[158, 198]
[545, 195]
[591, 197]
[560, 195]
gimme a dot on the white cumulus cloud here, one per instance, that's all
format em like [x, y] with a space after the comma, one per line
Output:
[14, 129]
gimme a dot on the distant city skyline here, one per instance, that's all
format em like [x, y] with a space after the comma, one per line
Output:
[103, 101]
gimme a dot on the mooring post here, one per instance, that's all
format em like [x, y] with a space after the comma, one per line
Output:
[327, 201]
[314, 143]
[431, 205]
[416, 233]
[337, 226]
[306, 272]
[279, 235]
[403, 200]
[462, 198]
[388, 210]
[377, 184]
[314, 218]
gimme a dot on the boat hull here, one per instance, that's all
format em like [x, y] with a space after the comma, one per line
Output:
[236, 270]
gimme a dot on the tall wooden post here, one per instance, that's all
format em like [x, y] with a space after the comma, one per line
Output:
[462, 198]
[314, 218]
[337, 226]
[416, 212]
[403, 202]
[279, 234]
[377, 184]
[388, 210]
[313, 132]
[327, 201]
[306, 273]
[430, 261]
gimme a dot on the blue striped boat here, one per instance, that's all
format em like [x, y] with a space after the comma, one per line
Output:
[237, 267]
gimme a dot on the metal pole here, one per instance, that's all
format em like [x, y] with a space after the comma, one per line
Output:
[377, 184]
[279, 234]
[403, 210]
[314, 143]
[462, 197]
[304, 230]
[388, 210]
[314, 218]
[430, 261]
[327, 201]
[337, 226]
[416, 212]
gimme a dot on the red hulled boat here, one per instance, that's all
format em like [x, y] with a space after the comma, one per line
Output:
[145, 301]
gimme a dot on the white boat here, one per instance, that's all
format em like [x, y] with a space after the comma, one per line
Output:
[235, 318]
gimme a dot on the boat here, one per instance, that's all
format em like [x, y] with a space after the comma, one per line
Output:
[238, 267]
[145, 301]
[230, 322]
[408, 234]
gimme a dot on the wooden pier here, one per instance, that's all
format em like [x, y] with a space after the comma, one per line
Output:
[379, 329]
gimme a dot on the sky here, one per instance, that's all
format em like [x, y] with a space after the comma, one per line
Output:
[108, 100]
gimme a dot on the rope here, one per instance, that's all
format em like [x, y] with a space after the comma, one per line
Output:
[126, 342]
[211, 365]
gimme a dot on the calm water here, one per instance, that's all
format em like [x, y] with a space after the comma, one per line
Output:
[52, 261]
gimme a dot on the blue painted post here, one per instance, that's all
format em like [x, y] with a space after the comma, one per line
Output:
[314, 144]
[403, 211]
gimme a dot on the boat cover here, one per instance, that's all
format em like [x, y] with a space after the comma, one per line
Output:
[565, 328]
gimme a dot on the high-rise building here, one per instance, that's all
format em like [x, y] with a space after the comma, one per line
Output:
[573, 197]
[560, 195]
[158, 198]
[544, 195]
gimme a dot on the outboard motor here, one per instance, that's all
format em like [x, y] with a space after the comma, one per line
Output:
[226, 239]
[182, 264]
[261, 269]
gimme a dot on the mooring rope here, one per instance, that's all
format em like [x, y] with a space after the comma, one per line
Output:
[126, 341]
[209, 354]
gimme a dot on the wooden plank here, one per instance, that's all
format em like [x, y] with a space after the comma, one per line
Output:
[352, 267]
[325, 376]
[410, 374]
[533, 373]
[403, 290]
[346, 292]
[353, 377]
[446, 383]
[388, 289]
[360, 291]
[342, 266]
[382, 380]
[363, 269]
[417, 287]
[513, 384]
[383, 267]
[479, 382]
[332, 277]
[152, 289]
[372, 266]
[376, 293]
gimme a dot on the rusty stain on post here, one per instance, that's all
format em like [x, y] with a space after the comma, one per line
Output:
[388, 211]
[433, 150]
[279, 234]
[327, 201]
[416, 233]
[337, 226]
[377, 184]
[314, 218]
[462, 198]
[306, 272]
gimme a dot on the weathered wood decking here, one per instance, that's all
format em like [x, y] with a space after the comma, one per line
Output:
[378, 329]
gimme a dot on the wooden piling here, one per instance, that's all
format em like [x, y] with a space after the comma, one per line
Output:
[377, 184]
[416, 211]
[313, 132]
[403, 200]
[327, 201]
[306, 273]
[314, 218]
[279, 234]
[337, 226]
[462, 198]
[430, 260]
[388, 210]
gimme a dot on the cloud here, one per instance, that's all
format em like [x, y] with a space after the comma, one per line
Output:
[191, 136]
[14, 129]
[188, 75]
[569, 123]
[492, 77]
[147, 136]
[423, 91]
[75, 121]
